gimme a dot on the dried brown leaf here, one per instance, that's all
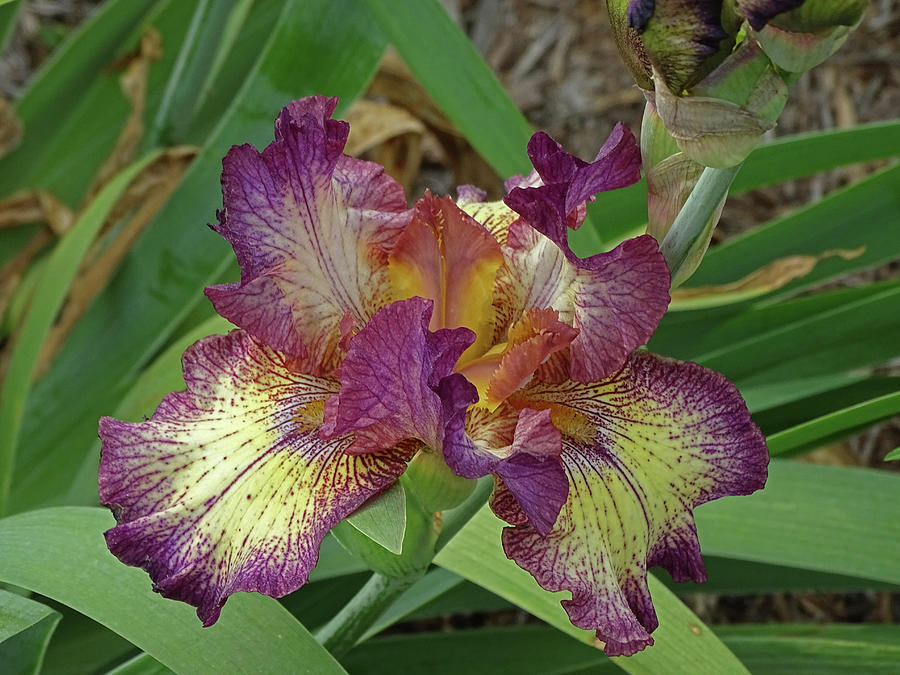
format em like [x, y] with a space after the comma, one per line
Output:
[373, 123]
[391, 135]
[134, 85]
[764, 280]
[30, 206]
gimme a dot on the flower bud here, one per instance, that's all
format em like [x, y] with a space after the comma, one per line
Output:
[723, 117]
[716, 71]
[804, 37]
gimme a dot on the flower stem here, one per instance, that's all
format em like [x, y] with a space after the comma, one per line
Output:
[342, 633]
[688, 231]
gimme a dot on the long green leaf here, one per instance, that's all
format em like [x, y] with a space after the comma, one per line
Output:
[142, 664]
[836, 649]
[769, 648]
[830, 519]
[489, 651]
[624, 212]
[74, 109]
[81, 646]
[237, 16]
[317, 47]
[60, 553]
[25, 629]
[46, 302]
[696, 334]
[9, 16]
[833, 398]
[838, 424]
[732, 576]
[683, 643]
[175, 112]
[855, 335]
[445, 62]
[806, 154]
[861, 215]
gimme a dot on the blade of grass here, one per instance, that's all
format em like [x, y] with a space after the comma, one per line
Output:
[446, 64]
[834, 425]
[142, 664]
[624, 212]
[802, 155]
[234, 22]
[175, 112]
[9, 17]
[838, 520]
[519, 649]
[60, 86]
[855, 216]
[835, 649]
[786, 413]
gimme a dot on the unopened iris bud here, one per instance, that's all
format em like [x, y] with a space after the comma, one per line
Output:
[804, 37]
[723, 116]
[716, 70]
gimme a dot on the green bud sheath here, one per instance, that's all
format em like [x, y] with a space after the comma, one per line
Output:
[723, 117]
[433, 484]
[417, 548]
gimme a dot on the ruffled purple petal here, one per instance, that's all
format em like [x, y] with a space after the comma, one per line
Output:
[568, 182]
[619, 302]
[615, 299]
[464, 457]
[640, 450]
[533, 472]
[311, 229]
[390, 378]
[228, 487]
[520, 447]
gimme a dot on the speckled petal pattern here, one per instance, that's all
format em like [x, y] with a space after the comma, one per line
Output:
[616, 299]
[228, 487]
[640, 450]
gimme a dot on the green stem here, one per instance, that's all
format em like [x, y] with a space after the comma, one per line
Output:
[690, 225]
[342, 633]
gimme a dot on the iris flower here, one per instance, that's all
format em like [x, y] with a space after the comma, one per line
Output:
[369, 332]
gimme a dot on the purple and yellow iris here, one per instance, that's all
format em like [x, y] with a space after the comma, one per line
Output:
[370, 332]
